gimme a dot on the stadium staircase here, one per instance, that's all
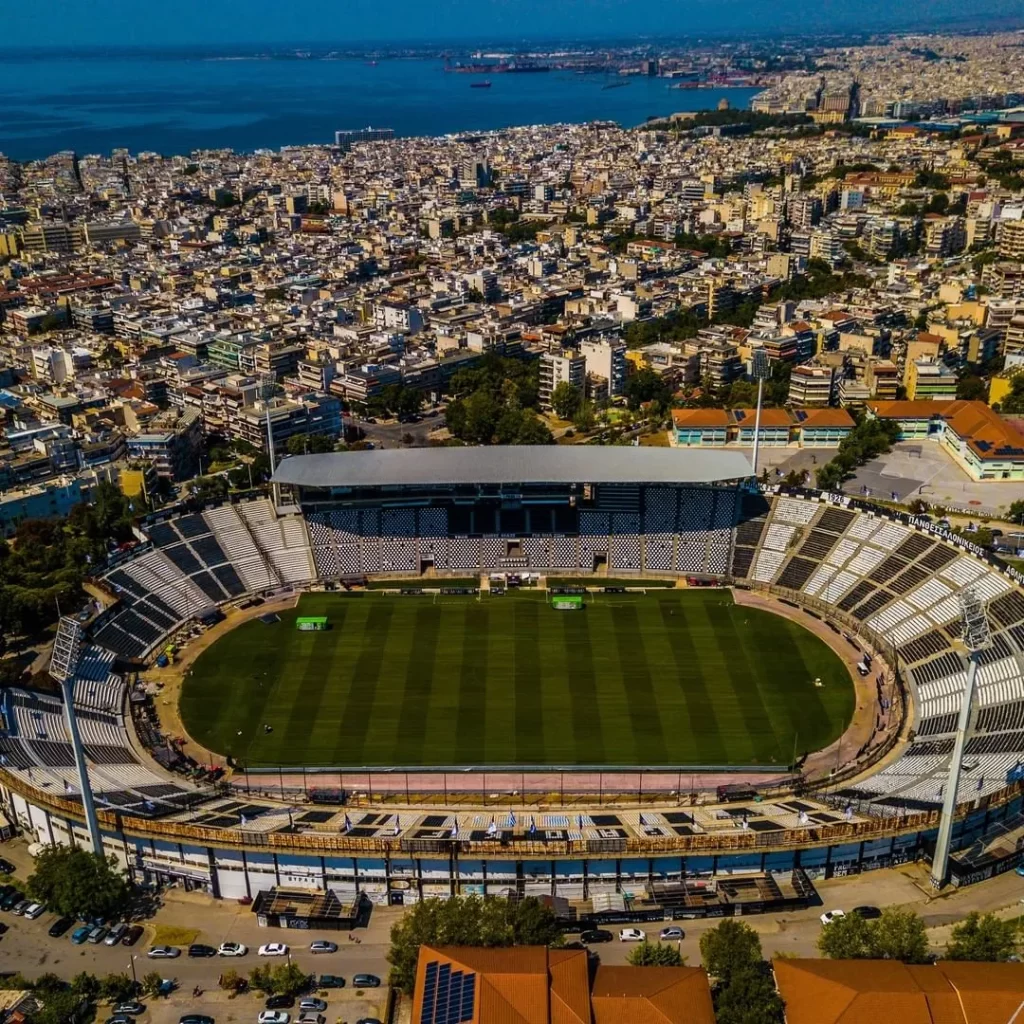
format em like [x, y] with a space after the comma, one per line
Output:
[271, 567]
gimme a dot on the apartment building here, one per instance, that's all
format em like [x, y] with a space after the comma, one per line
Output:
[561, 367]
[930, 380]
[811, 385]
[605, 366]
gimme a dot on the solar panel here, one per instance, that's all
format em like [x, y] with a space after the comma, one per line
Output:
[443, 983]
[454, 999]
[429, 991]
[468, 997]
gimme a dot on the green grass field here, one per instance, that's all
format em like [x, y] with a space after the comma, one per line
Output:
[673, 678]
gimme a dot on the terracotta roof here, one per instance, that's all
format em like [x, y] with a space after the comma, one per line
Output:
[985, 432]
[769, 417]
[700, 418]
[824, 418]
[651, 995]
[909, 409]
[987, 992]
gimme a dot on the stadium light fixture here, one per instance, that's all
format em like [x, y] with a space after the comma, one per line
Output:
[67, 652]
[760, 370]
[976, 638]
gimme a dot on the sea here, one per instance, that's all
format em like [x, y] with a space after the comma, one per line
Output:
[171, 102]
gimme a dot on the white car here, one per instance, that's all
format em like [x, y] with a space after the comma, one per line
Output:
[232, 949]
[832, 915]
[274, 949]
[632, 935]
[274, 1017]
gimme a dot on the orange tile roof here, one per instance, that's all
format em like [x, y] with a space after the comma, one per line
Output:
[769, 417]
[987, 992]
[825, 418]
[651, 995]
[909, 409]
[700, 418]
[986, 433]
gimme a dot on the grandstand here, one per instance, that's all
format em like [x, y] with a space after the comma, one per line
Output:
[887, 581]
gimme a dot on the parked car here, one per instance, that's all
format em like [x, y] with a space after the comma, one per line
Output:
[279, 1002]
[7, 868]
[232, 949]
[832, 915]
[115, 934]
[59, 927]
[197, 951]
[132, 1008]
[163, 952]
[196, 1018]
[97, 935]
[323, 946]
[273, 949]
[365, 981]
[312, 1018]
[20, 907]
[131, 936]
[331, 981]
[312, 1004]
[274, 1017]
[868, 913]
[12, 899]
[632, 935]
[80, 934]
[672, 933]
[596, 935]
[36, 910]
[120, 1018]
[368, 1020]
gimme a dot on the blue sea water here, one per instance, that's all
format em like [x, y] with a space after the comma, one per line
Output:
[174, 103]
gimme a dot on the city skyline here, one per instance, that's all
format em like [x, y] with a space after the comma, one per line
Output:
[229, 22]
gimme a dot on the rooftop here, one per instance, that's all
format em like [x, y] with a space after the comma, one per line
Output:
[512, 464]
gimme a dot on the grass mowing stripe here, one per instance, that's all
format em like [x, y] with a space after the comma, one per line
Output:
[745, 677]
[357, 713]
[471, 717]
[648, 739]
[586, 716]
[311, 685]
[529, 725]
[419, 679]
[705, 736]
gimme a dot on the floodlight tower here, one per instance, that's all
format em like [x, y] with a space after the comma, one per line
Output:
[67, 651]
[267, 387]
[760, 370]
[976, 638]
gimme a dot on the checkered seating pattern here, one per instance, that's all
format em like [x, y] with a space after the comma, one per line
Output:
[624, 553]
[660, 510]
[464, 553]
[433, 522]
[397, 522]
[538, 551]
[563, 552]
[658, 551]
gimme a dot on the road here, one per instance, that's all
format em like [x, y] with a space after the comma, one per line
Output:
[28, 949]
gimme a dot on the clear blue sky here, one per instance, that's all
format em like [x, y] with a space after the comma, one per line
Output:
[131, 22]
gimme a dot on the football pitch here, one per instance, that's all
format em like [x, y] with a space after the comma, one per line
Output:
[678, 677]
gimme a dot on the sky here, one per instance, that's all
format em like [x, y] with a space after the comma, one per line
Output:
[69, 23]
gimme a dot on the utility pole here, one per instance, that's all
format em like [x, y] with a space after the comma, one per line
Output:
[760, 370]
[976, 638]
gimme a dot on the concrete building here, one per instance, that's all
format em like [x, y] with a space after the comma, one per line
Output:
[52, 500]
[812, 385]
[557, 368]
[605, 366]
[929, 380]
[172, 442]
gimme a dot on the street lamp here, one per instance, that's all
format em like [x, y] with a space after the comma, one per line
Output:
[760, 370]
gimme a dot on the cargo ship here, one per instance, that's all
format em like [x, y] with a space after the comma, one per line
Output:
[485, 84]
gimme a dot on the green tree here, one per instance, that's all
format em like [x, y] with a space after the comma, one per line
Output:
[972, 389]
[1016, 511]
[584, 420]
[728, 948]
[749, 998]
[78, 883]
[60, 1007]
[1014, 401]
[151, 983]
[646, 386]
[986, 937]
[466, 921]
[899, 935]
[287, 979]
[86, 985]
[117, 988]
[565, 400]
[655, 954]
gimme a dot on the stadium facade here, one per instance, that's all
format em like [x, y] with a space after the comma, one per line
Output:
[887, 581]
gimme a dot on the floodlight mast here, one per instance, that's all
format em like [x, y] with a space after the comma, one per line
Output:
[976, 638]
[760, 370]
[267, 387]
[67, 651]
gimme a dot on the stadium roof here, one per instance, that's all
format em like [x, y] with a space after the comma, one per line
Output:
[512, 464]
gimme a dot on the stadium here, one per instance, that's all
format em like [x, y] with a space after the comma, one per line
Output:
[571, 671]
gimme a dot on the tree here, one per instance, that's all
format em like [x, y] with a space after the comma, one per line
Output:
[646, 386]
[151, 983]
[1016, 512]
[972, 389]
[749, 998]
[899, 935]
[565, 400]
[986, 937]
[117, 988]
[86, 985]
[288, 979]
[846, 938]
[231, 981]
[466, 921]
[584, 420]
[728, 948]
[59, 1008]
[655, 954]
[78, 883]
